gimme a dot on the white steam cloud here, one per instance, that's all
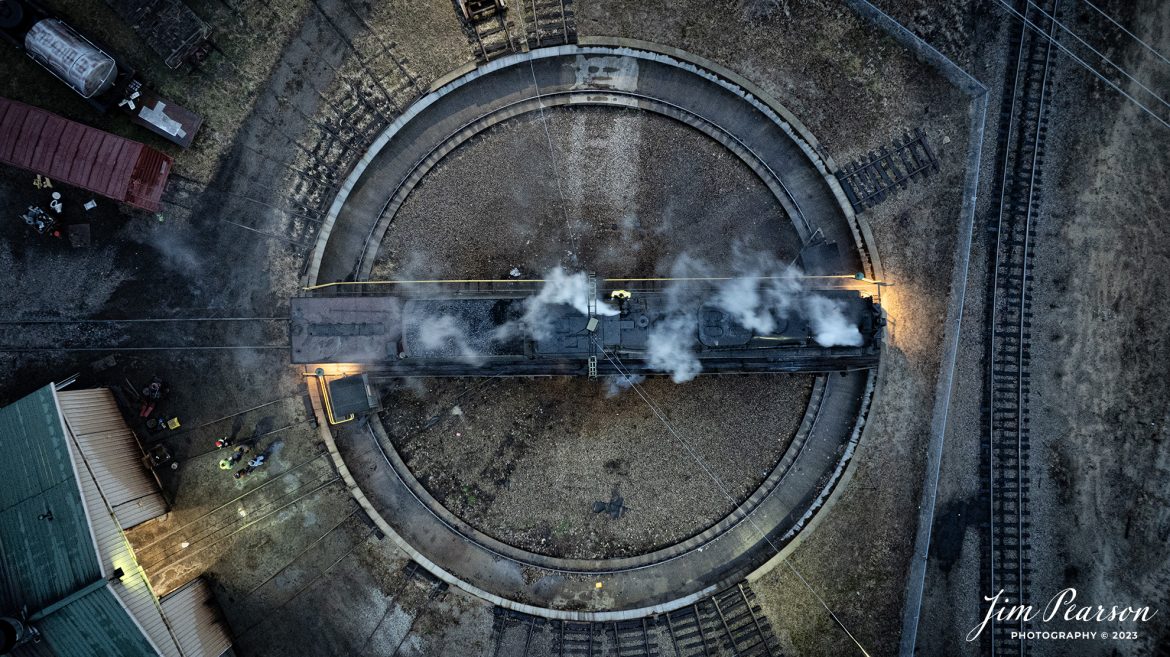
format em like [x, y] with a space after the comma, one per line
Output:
[560, 288]
[766, 292]
[615, 385]
[448, 335]
[762, 297]
[671, 347]
[829, 325]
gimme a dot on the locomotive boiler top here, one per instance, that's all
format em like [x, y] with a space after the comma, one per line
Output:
[71, 57]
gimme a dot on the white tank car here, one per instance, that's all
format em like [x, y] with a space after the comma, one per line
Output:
[71, 57]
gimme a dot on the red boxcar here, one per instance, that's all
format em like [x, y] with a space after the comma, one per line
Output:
[79, 155]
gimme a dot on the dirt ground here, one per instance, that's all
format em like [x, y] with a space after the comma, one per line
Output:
[224, 249]
[1097, 463]
[489, 452]
[635, 192]
[1100, 408]
[815, 58]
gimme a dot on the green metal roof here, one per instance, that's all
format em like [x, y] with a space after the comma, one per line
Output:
[94, 625]
[43, 561]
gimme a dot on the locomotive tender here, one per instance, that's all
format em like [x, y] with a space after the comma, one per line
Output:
[491, 330]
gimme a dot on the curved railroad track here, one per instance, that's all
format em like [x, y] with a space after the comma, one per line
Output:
[1005, 443]
[578, 98]
[727, 623]
[370, 87]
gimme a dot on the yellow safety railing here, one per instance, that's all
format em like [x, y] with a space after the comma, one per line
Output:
[320, 286]
[325, 400]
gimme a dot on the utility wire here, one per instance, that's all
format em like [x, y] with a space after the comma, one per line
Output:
[302, 553]
[272, 612]
[1082, 62]
[267, 514]
[208, 533]
[1098, 53]
[552, 156]
[1131, 34]
[8, 322]
[271, 479]
[176, 434]
[654, 408]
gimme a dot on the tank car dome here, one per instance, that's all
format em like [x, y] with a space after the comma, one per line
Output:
[79, 63]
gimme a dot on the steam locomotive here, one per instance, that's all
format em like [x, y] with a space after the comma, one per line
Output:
[496, 331]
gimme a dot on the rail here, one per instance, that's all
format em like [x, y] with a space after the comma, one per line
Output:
[1005, 443]
[727, 623]
[472, 127]
[143, 334]
[870, 180]
[548, 22]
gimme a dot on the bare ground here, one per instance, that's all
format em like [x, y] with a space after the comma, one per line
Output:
[631, 192]
[524, 460]
[1101, 413]
[1097, 413]
[817, 59]
[617, 192]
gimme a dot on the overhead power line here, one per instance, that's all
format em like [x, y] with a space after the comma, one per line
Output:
[1082, 62]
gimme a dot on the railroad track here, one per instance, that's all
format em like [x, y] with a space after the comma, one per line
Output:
[555, 99]
[726, 624]
[1005, 444]
[372, 88]
[218, 526]
[491, 34]
[548, 22]
[368, 88]
[870, 180]
[143, 334]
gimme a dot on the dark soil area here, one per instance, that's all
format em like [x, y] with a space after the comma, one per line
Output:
[525, 460]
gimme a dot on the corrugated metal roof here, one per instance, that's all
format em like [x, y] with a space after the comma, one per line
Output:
[113, 454]
[113, 481]
[41, 560]
[194, 617]
[116, 552]
[79, 155]
[133, 589]
[71, 453]
[95, 625]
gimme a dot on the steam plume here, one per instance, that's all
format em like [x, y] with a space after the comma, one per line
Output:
[559, 288]
[448, 335]
[764, 294]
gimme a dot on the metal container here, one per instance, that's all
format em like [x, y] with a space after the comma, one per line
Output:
[73, 153]
[71, 57]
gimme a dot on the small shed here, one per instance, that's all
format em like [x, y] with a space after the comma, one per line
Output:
[74, 481]
[76, 154]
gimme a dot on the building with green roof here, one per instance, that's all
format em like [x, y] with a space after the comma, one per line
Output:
[71, 480]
